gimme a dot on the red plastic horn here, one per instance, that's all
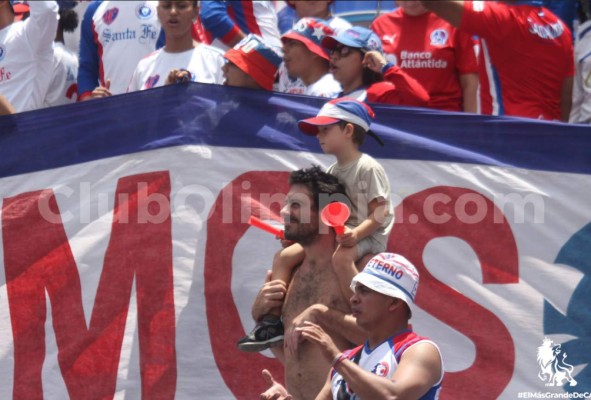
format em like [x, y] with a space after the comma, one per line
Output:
[335, 215]
[254, 221]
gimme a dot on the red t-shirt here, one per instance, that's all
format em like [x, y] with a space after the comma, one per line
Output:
[430, 50]
[526, 54]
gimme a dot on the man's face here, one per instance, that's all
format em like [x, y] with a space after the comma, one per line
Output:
[311, 8]
[176, 17]
[369, 307]
[296, 57]
[299, 216]
[234, 76]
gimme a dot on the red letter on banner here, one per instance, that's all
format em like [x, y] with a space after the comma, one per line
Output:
[435, 215]
[225, 227]
[38, 258]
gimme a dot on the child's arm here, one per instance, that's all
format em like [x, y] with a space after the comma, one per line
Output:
[286, 260]
[377, 212]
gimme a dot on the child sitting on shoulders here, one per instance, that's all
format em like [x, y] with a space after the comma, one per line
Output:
[341, 127]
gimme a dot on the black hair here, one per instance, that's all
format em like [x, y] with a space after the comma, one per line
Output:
[68, 20]
[323, 186]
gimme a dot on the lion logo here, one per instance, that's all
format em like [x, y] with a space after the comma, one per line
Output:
[554, 370]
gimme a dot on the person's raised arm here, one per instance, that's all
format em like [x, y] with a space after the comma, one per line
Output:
[41, 26]
[215, 19]
[409, 91]
[88, 69]
[449, 10]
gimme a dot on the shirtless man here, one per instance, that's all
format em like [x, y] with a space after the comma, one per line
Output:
[314, 294]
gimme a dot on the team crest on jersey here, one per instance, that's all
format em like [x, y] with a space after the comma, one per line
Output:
[143, 11]
[439, 37]
[151, 82]
[110, 15]
[381, 369]
[2, 52]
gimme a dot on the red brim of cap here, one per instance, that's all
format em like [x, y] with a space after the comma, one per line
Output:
[21, 8]
[263, 76]
[310, 45]
[310, 126]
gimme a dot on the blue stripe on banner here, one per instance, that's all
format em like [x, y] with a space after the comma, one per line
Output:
[200, 114]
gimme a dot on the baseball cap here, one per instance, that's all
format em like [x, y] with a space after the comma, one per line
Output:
[256, 58]
[357, 37]
[311, 31]
[391, 275]
[341, 109]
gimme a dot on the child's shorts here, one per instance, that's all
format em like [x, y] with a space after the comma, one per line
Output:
[369, 245]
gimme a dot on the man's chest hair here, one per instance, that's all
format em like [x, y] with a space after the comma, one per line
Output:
[311, 285]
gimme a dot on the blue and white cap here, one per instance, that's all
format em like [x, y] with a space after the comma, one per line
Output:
[391, 275]
[357, 37]
[341, 109]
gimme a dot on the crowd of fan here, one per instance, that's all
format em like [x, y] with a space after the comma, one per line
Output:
[511, 58]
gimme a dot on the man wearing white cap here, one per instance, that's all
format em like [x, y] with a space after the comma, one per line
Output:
[394, 362]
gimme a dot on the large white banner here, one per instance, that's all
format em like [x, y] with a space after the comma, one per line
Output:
[130, 269]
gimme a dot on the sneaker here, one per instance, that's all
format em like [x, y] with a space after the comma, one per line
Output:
[267, 333]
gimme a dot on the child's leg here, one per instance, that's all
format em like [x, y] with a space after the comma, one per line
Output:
[284, 262]
[362, 262]
[343, 263]
[269, 330]
[348, 261]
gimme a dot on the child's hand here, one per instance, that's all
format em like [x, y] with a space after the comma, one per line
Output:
[348, 238]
